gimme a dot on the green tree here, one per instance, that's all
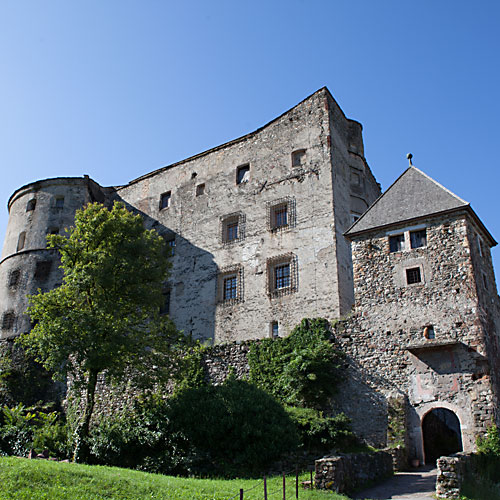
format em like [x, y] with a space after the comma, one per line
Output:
[105, 317]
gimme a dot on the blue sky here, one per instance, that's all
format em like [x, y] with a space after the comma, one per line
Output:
[117, 88]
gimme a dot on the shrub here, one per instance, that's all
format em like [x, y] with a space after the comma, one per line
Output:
[302, 369]
[488, 457]
[322, 434]
[233, 429]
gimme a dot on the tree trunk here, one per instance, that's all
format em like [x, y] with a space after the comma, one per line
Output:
[81, 453]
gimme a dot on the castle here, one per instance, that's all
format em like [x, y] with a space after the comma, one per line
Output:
[261, 231]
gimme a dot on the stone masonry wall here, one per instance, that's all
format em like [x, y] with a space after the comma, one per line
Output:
[346, 473]
[384, 339]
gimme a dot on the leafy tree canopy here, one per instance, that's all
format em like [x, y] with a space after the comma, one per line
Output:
[105, 317]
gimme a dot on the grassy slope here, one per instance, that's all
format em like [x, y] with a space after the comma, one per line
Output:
[22, 479]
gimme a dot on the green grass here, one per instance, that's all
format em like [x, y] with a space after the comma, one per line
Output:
[22, 479]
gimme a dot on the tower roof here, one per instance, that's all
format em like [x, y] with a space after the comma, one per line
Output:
[414, 195]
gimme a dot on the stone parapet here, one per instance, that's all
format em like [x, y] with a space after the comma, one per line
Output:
[451, 473]
[347, 473]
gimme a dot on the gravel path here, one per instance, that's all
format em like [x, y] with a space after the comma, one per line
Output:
[416, 485]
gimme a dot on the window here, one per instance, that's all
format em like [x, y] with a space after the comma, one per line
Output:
[397, 243]
[282, 275]
[413, 276]
[59, 202]
[281, 214]
[42, 269]
[230, 285]
[243, 174]
[21, 241]
[165, 200]
[298, 157]
[14, 277]
[8, 320]
[31, 205]
[274, 329]
[165, 307]
[200, 189]
[232, 228]
[171, 245]
[479, 245]
[429, 332]
[418, 239]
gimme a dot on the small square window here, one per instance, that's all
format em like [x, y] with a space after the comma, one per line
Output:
[60, 202]
[31, 205]
[281, 214]
[14, 277]
[397, 243]
[21, 241]
[232, 228]
[165, 200]
[275, 330]
[418, 239]
[413, 276]
[165, 307]
[282, 275]
[230, 285]
[242, 174]
[200, 189]
[429, 332]
[298, 157]
[8, 320]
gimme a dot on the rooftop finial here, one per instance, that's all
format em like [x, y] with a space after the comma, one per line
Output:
[410, 156]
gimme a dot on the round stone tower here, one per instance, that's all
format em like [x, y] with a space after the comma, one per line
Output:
[36, 210]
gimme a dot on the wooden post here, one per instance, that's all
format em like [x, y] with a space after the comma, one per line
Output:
[312, 485]
[241, 494]
[284, 486]
[265, 488]
[296, 482]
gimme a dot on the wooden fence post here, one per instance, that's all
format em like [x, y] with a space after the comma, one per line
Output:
[284, 486]
[265, 488]
[296, 482]
[241, 494]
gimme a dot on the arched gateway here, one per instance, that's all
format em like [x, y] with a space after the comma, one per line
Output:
[441, 433]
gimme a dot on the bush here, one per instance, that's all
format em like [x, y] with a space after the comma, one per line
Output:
[488, 457]
[22, 429]
[302, 369]
[322, 434]
[233, 429]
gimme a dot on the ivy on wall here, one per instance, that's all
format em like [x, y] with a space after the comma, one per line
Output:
[303, 369]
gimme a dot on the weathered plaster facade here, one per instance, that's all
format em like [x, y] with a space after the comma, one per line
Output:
[308, 162]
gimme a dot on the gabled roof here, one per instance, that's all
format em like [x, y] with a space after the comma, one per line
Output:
[414, 195]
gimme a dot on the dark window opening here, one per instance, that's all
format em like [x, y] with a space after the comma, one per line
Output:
[14, 277]
[60, 202]
[165, 307]
[242, 174]
[230, 287]
[275, 331]
[413, 276]
[165, 200]
[429, 332]
[193, 175]
[8, 321]
[171, 245]
[298, 157]
[54, 230]
[42, 270]
[397, 243]
[280, 216]
[31, 205]
[200, 189]
[418, 239]
[21, 241]
[232, 231]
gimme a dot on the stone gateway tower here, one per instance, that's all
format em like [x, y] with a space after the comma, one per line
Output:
[426, 324]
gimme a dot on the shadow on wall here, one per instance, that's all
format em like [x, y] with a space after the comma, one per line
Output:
[190, 291]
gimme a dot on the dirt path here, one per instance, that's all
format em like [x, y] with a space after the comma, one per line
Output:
[416, 485]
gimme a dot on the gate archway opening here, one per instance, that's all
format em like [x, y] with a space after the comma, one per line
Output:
[441, 433]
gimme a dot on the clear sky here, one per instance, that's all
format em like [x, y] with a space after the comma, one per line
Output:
[117, 88]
